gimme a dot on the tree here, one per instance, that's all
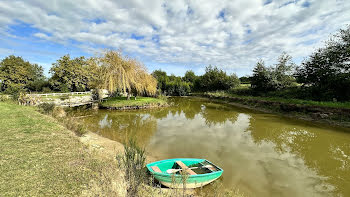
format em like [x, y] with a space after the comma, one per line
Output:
[327, 71]
[17, 74]
[125, 74]
[189, 76]
[162, 79]
[245, 79]
[261, 80]
[282, 73]
[71, 74]
[275, 77]
[216, 79]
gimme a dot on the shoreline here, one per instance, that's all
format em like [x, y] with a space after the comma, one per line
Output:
[339, 117]
[106, 147]
[126, 107]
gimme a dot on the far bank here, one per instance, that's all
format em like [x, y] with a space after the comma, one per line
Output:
[337, 114]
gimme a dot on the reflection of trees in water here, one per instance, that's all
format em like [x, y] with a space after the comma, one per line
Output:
[320, 148]
[121, 125]
[214, 113]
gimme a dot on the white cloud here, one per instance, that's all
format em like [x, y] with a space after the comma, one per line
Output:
[230, 34]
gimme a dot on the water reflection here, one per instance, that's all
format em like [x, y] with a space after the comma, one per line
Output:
[262, 154]
[105, 123]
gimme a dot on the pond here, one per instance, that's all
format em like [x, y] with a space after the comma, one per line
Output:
[261, 154]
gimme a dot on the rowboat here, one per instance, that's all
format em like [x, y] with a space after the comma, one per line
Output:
[184, 172]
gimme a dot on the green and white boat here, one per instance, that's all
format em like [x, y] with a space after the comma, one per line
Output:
[199, 172]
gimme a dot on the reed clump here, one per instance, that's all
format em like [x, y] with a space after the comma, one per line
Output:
[133, 164]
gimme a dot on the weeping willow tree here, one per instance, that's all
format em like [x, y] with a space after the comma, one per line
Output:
[125, 74]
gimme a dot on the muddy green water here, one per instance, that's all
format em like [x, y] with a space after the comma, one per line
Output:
[261, 154]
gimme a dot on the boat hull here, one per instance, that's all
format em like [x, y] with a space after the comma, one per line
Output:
[177, 180]
[188, 185]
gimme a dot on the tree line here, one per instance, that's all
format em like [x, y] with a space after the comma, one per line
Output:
[213, 79]
[111, 71]
[323, 76]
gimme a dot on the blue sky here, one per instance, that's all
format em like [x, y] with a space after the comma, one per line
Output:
[174, 36]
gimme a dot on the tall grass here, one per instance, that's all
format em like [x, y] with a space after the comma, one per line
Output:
[133, 163]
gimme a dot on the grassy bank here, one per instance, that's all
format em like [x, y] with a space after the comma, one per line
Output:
[120, 102]
[334, 113]
[283, 100]
[39, 157]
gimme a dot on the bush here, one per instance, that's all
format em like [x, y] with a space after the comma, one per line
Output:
[46, 108]
[177, 88]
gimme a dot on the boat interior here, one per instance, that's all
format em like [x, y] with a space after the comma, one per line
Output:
[197, 166]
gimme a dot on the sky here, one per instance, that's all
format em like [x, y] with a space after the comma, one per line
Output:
[174, 35]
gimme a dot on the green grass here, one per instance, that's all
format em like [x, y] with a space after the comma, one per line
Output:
[39, 157]
[284, 100]
[140, 101]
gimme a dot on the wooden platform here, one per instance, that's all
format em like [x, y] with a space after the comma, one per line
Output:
[184, 167]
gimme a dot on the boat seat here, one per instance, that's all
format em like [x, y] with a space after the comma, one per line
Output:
[184, 167]
[213, 169]
[156, 169]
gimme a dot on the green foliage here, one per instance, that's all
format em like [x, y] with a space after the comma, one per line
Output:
[162, 79]
[17, 74]
[189, 77]
[273, 78]
[73, 75]
[177, 87]
[245, 80]
[326, 72]
[216, 79]
[39, 85]
[173, 85]
[46, 108]
[213, 79]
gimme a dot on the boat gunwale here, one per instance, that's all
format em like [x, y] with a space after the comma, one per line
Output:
[179, 175]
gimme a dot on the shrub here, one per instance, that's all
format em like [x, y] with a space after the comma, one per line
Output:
[46, 108]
